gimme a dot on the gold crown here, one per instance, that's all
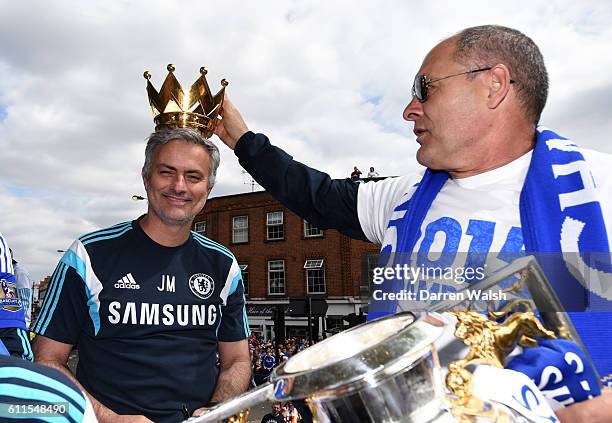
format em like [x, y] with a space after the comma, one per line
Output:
[172, 107]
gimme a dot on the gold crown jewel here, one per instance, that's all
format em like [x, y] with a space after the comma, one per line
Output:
[172, 106]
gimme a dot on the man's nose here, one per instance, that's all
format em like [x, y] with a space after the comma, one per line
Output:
[178, 183]
[413, 110]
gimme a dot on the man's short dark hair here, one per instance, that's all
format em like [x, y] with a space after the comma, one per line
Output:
[189, 135]
[488, 45]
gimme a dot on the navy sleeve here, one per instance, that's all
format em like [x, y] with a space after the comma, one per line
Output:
[324, 202]
[63, 312]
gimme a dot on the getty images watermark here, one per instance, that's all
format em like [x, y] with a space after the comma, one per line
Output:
[422, 283]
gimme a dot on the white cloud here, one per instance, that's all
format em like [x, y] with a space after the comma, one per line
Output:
[325, 80]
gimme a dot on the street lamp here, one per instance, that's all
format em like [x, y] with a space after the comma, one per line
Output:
[138, 198]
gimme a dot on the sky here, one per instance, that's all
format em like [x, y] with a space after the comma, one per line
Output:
[326, 80]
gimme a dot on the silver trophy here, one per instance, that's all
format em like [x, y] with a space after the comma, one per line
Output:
[388, 370]
[385, 370]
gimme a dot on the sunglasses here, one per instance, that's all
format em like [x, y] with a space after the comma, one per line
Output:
[421, 83]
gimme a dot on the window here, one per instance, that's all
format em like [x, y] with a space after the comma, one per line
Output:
[274, 222]
[276, 277]
[240, 229]
[244, 269]
[313, 264]
[311, 231]
[334, 324]
[369, 263]
[315, 276]
[200, 227]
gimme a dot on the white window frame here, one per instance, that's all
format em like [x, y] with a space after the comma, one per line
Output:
[311, 266]
[198, 227]
[272, 223]
[307, 231]
[242, 230]
[313, 263]
[243, 269]
[371, 263]
[277, 270]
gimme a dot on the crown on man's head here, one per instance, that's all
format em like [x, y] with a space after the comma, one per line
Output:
[172, 106]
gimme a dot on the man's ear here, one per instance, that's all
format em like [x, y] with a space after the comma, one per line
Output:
[499, 85]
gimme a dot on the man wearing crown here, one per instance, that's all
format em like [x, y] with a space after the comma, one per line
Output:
[131, 296]
[496, 183]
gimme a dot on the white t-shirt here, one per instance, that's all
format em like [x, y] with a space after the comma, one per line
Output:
[479, 213]
[467, 208]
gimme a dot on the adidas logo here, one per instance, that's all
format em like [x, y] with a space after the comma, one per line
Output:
[127, 282]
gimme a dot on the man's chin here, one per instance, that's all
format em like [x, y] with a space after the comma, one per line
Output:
[176, 219]
[425, 159]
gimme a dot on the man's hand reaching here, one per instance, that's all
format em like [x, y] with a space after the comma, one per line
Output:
[231, 126]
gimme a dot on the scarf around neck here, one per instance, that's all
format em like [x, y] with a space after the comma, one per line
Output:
[562, 225]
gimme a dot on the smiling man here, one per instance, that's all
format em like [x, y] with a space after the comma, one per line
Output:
[149, 303]
[495, 184]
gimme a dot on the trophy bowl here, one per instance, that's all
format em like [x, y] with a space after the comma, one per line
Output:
[383, 370]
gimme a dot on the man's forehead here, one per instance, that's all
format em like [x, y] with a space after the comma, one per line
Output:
[439, 58]
[180, 153]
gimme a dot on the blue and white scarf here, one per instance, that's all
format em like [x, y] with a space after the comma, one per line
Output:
[560, 213]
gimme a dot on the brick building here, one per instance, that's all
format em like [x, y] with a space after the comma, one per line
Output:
[283, 257]
[39, 292]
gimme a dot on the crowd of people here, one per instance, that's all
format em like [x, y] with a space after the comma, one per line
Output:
[264, 355]
[265, 358]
